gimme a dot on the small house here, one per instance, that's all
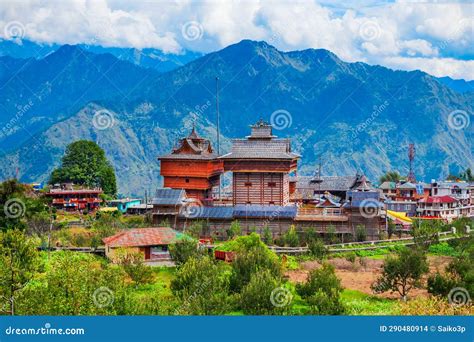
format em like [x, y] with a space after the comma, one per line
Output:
[151, 242]
[124, 203]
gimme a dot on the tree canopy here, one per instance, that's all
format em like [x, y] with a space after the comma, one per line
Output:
[85, 163]
[390, 176]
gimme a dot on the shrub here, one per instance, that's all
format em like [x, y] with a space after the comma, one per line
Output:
[256, 297]
[322, 291]
[183, 250]
[252, 256]
[291, 237]
[402, 272]
[133, 265]
[360, 233]
[202, 287]
[234, 229]
[317, 249]
[267, 236]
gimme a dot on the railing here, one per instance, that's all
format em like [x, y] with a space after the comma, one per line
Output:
[320, 212]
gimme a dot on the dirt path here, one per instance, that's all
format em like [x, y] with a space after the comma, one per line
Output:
[360, 277]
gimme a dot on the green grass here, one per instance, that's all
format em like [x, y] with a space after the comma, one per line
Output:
[359, 303]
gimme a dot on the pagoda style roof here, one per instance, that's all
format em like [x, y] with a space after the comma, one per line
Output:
[261, 144]
[192, 147]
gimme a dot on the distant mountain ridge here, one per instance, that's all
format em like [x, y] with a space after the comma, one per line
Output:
[352, 116]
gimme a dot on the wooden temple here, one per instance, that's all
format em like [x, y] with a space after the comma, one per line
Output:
[192, 166]
[260, 166]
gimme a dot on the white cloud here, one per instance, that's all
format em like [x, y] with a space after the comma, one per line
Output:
[405, 34]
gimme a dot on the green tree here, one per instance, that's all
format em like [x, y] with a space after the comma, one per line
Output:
[267, 236]
[322, 291]
[291, 237]
[133, 265]
[75, 284]
[402, 272]
[390, 176]
[18, 264]
[202, 287]
[85, 163]
[183, 250]
[360, 233]
[317, 249]
[252, 256]
[234, 230]
[260, 296]
[425, 232]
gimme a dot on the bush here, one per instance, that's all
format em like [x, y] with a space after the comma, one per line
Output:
[183, 250]
[442, 248]
[317, 249]
[256, 297]
[360, 233]
[252, 256]
[322, 291]
[291, 237]
[133, 265]
[202, 287]
[402, 272]
[267, 236]
[234, 229]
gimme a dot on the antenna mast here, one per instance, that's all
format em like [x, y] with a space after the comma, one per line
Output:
[217, 112]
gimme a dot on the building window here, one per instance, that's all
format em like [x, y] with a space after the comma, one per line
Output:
[272, 184]
[271, 202]
[187, 180]
[248, 202]
[248, 184]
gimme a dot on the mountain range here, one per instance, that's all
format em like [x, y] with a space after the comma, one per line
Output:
[350, 117]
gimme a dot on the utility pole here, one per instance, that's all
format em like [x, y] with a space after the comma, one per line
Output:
[218, 130]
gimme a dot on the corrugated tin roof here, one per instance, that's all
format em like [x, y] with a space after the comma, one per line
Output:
[212, 213]
[166, 196]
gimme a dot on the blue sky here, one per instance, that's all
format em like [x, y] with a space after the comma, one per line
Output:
[436, 37]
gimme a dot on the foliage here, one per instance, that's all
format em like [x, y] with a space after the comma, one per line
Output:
[291, 237]
[21, 209]
[322, 291]
[255, 298]
[443, 248]
[467, 176]
[202, 287]
[317, 249]
[18, 263]
[359, 303]
[133, 265]
[331, 236]
[267, 236]
[425, 232]
[252, 256]
[360, 233]
[234, 230]
[85, 163]
[184, 249]
[75, 284]
[390, 176]
[434, 306]
[402, 272]
[459, 272]
[195, 229]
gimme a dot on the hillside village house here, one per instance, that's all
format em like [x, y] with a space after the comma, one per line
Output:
[67, 198]
[152, 243]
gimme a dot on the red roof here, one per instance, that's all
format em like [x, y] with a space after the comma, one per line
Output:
[438, 199]
[53, 192]
[142, 237]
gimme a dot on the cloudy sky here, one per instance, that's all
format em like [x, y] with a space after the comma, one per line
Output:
[436, 37]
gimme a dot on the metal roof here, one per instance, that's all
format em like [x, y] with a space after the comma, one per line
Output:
[265, 211]
[211, 213]
[166, 196]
